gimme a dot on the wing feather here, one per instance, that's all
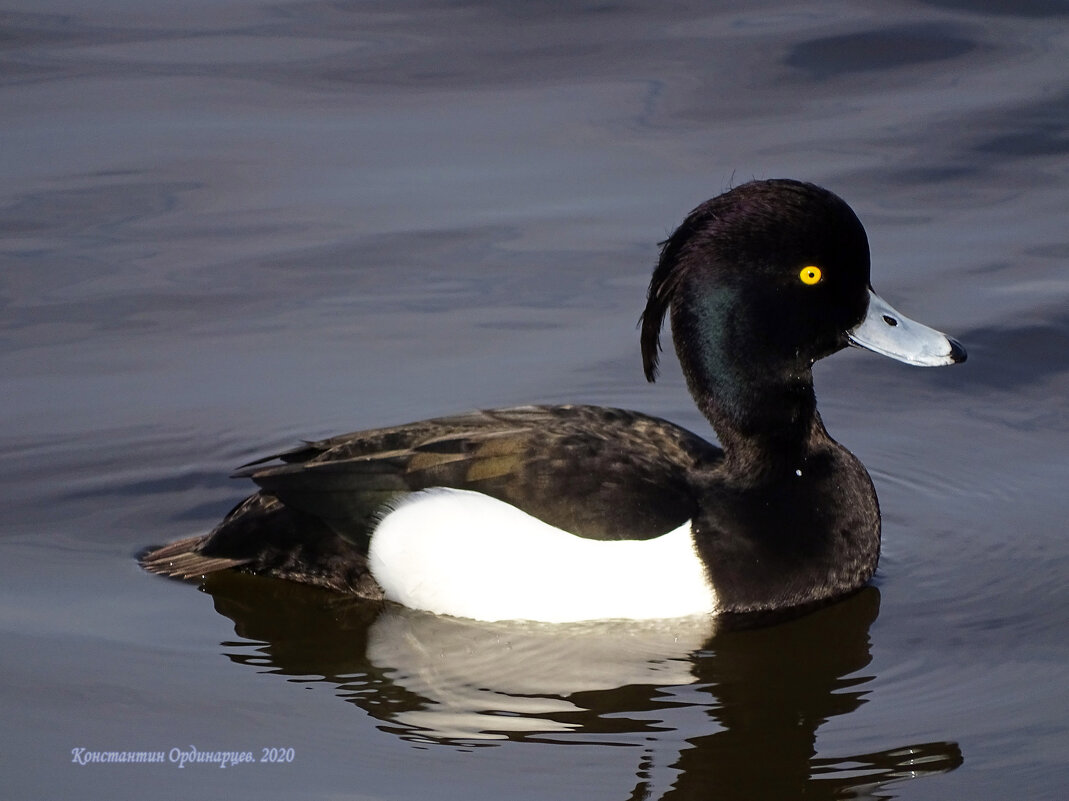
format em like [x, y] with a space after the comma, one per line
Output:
[601, 473]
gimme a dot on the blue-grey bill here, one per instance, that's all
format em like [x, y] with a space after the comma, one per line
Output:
[890, 333]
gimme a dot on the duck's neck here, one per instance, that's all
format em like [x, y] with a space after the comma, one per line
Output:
[765, 417]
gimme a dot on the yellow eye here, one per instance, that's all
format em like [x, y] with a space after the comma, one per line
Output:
[810, 275]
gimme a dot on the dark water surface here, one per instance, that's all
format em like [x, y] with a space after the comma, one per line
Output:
[228, 225]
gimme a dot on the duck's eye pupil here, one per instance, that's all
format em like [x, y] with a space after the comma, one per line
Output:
[810, 275]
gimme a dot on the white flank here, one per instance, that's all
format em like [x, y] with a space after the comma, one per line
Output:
[461, 553]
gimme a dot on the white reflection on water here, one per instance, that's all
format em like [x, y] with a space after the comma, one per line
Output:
[484, 679]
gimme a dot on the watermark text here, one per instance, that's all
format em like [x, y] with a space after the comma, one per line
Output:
[182, 756]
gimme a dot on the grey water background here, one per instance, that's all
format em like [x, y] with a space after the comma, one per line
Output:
[231, 225]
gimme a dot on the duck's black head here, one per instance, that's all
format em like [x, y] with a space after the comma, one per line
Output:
[761, 282]
[776, 271]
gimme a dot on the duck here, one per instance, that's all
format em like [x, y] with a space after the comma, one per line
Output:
[576, 512]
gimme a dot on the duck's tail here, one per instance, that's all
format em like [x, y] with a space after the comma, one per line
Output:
[182, 559]
[263, 536]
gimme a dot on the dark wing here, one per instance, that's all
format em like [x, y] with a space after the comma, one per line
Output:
[596, 472]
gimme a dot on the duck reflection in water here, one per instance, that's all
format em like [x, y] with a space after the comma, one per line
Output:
[746, 703]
